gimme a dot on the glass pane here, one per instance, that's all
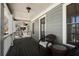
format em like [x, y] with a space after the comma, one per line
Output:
[33, 28]
[70, 13]
[77, 8]
[73, 19]
[77, 32]
[77, 25]
[70, 32]
[77, 19]
[5, 25]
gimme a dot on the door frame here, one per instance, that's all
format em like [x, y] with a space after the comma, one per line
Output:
[39, 24]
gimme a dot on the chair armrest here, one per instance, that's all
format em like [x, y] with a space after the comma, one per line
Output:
[49, 44]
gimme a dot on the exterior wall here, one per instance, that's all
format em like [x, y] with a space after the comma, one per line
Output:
[8, 39]
[54, 22]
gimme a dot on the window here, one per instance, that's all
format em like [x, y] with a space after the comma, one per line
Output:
[32, 28]
[73, 23]
[5, 25]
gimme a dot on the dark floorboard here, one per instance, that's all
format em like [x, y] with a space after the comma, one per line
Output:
[26, 47]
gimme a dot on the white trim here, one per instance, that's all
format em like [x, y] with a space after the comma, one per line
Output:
[42, 16]
[64, 25]
[39, 24]
[70, 45]
[42, 13]
[39, 29]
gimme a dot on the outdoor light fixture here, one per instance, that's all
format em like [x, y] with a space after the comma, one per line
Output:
[28, 9]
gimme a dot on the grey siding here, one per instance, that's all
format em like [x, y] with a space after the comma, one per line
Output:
[36, 30]
[54, 22]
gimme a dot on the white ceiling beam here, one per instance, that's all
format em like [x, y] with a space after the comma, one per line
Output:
[22, 20]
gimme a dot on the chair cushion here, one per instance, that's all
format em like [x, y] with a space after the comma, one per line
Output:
[44, 44]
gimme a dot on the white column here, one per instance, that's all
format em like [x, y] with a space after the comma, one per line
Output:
[64, 38]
